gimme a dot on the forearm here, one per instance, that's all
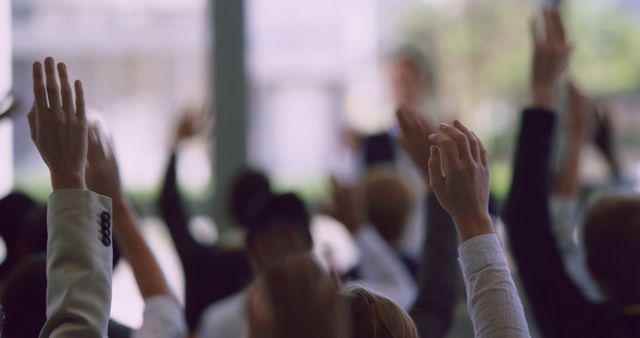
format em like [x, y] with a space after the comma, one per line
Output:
[529, 227]
[79, 260]
[493, 302]
[149, 277]
[568, 181]
[174, 214]
[433, 310]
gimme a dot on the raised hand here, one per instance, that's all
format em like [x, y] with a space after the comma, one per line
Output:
[192, 122]
[58, 125]
[415, 139]
[103, 174]
[347, 208]
[578, 115]
[459, 176]
[550, 59]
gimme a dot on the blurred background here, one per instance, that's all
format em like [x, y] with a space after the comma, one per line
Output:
[286, 81]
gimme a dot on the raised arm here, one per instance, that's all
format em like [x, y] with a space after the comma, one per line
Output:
[163, 316]
[171, 204]
[459, 176]
[434, 307]
[556, 302]
[79, 255]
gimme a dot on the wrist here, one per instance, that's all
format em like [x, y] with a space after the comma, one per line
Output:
[67, 180]
[543, 97]
[473, 226]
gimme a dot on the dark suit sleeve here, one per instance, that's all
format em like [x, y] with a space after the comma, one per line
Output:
[175, 216]
[556, 302]
[433, 310]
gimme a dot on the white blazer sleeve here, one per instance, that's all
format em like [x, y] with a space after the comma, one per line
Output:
[382, 270]
[163, 317]
[79, 263]
[492, 298]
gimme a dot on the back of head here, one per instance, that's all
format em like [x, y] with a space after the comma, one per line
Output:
[388, 204]
[15, 210]
[22, 227]
[279, 227]
[612, 240]
[373, 316]
[24, 299]
[247, 190]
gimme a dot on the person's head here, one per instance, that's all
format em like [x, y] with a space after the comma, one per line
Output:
[24, 298]
[388, 202]
[411, 78]
[22, 227]
[246, 192]
[374, 316]
[279, 228]
[612, 240]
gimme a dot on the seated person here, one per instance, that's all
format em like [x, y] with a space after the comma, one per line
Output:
[433, 310]
[79, 249]
[279, 229]
[279, 305]
[611, 228]
[387, 204]
[211, 273]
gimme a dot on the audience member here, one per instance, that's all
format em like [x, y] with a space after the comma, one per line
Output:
[611, 235]
[211, 273]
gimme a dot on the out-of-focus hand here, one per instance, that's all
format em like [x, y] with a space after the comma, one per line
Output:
[103, 175]
[550, 59]
[578, 117]
[347, 206]
[192, 122]
[459, 176]
[415, 139]
[58, 125]
[296, 299]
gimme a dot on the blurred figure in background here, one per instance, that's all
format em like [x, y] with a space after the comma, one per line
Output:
[23, 228]
[211, 273]
[388, 204]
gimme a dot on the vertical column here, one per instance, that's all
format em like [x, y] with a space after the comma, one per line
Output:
[230, 96]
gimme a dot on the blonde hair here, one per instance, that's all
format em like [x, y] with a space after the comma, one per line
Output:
[388, 202]
[374, 316]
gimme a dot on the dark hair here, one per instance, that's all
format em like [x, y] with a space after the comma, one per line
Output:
[280, 208]
[15, 209]
[612, 237]
[22, 227]
[246, 192]
[24, 298]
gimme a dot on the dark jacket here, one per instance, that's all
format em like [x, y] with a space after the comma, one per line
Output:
[558, 306]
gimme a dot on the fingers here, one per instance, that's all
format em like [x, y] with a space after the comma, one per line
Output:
[449, 150]
[80, 105]
[39, 91]
[65, 90]
[53, 92]
[32, 121]
[473, 142]
[435, 170]
[558, 26]
[461, 140]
